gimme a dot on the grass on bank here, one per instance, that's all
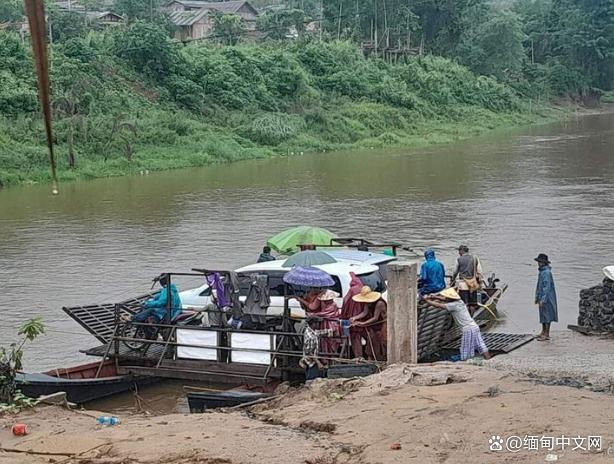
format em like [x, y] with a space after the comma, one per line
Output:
[202, 104]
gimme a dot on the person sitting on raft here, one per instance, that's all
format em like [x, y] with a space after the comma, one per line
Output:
[266, 255]
[156, 306]
[373, 319]
[472, 340]
[325, 308]
[432, 274]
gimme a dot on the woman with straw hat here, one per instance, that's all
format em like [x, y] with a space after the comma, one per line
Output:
[374, 309]
[472, 340]
[325, 308]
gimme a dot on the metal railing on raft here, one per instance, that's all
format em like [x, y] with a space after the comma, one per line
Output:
[282, 348]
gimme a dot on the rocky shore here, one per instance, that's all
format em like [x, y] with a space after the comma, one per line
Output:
[597, 307]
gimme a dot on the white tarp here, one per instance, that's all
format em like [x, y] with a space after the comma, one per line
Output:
[196, 337]
[609, 272]
[251, 341]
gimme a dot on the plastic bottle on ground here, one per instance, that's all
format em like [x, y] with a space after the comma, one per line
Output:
[108, 420]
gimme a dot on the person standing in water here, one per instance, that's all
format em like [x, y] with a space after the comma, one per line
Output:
[545, 297]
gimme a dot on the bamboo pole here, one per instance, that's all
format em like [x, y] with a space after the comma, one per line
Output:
[35, 10]
[402, 313]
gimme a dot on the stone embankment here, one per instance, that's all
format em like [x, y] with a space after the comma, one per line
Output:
[597, 307]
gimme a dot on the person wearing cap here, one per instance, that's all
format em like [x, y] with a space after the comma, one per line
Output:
[325, 308]
[373, 319]
[472, 340]
[467, 268]
[432, 274]
[545, 297]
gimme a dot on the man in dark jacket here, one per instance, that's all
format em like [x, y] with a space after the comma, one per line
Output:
[432, 274]
[266, 255]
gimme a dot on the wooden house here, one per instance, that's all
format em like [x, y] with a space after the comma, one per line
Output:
[104, 18]
[193, 20]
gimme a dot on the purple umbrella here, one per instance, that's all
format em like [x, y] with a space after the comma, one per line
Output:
[308, 277]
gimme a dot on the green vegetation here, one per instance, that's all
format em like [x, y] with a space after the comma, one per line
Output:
[132, 101]
[129, 99]
[11, 399]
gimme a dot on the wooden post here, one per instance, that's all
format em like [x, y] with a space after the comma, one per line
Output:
[402, 313]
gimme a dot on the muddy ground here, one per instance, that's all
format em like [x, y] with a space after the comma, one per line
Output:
[443, 413]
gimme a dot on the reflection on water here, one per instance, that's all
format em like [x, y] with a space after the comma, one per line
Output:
[545, 189]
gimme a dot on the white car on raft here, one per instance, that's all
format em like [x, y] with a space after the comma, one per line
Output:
[369, 267]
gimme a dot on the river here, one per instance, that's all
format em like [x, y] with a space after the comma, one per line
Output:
[508, 196]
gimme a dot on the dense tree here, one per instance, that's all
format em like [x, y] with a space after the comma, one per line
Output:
[137, 9]
[227, 28]
[67, 24]
[147, 47]
[494, 46]
[17, 90]
[11, 10]
[278, 24]
[582, 34]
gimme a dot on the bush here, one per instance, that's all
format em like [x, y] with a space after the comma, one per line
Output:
[272, 129]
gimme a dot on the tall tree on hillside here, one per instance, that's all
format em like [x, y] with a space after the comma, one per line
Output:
[582, 34]
[227, 28]
[11, 10]
[495, 46]
[442, 22]
[533, 15]
[277, 24]
[147, 47]
[138, 9]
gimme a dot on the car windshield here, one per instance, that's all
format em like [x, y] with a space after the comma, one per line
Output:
[276, 284]
[375, 280]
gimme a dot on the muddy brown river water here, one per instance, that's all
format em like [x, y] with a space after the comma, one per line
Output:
[508, 196]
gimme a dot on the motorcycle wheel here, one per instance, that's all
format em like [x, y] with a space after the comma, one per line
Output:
[136, 333]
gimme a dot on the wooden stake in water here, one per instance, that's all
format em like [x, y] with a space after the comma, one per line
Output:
[35, 10]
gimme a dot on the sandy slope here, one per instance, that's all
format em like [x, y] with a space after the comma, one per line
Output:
[436, 414]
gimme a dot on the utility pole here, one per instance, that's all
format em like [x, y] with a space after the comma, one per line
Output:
[339, 20]
[321, 18]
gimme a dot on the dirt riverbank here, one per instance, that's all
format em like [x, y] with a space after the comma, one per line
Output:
[425, 414]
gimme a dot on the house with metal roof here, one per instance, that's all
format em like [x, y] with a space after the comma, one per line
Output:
[193, 20]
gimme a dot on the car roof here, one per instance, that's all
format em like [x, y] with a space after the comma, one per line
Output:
[362, 257]
[332, 268]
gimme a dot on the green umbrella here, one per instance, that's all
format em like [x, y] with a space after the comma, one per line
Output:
[287, 241]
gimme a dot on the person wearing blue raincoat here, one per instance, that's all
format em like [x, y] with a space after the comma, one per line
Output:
[156, 306]
[432, 274]
[545, 297]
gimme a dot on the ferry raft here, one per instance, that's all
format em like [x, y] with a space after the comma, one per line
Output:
[261, 354]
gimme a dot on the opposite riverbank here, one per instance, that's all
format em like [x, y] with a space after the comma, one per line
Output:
[188, 151]
[116, 113]
[424, 414]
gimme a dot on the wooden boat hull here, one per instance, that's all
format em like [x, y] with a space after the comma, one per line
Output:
[202, 401]
[488, 310]
[79, 383]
